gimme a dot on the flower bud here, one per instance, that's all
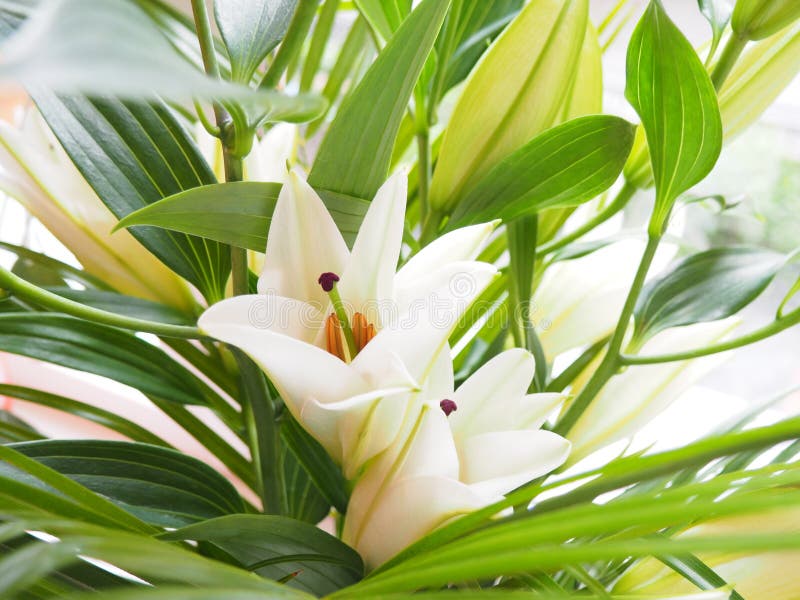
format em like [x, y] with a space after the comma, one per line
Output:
[758, 19]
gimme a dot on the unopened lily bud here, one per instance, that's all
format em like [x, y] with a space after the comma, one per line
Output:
[759, 19]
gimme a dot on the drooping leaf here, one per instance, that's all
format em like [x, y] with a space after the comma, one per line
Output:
[101, 350]
[564, 166]
[276, 547]
[699, 573]
[79, 409]
[126, 305]
[133, 155]
[77, 47]
[61, 269]
[355, 155]
[251, 29]
[718, 13]
[516, 92]
[159, 485]
[706, 286]
[236, 213]
[669, 87]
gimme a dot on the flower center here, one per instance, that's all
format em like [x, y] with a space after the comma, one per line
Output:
[363, 332]
[448, 406]
[342, 339]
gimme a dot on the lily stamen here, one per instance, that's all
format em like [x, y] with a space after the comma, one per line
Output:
[328, 282]
[448, 406]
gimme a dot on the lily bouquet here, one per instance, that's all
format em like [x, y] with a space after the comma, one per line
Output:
[359, 271]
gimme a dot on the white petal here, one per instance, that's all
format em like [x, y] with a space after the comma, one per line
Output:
[303, 243]
[457, 246]
[266, 311]
[298, 370]
[535, 408]
[267, 161]
[404, 513]
[432, 451]
[356, 429]
[370, 274]
[442, 296]
[490, 399]
[496, 463]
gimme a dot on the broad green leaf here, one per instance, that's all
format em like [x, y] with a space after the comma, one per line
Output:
[757, 19]
[304, 501]
[19, 468]
[706, 286]
[133, 155]
[159, 485]
[101, 350]
[718, 13]
[384, 16]
[517, 91]
[670, 89]
[355, 155]
[236, 213]
[251, 29]
[564, 166]
[89, 412]
[276, 547]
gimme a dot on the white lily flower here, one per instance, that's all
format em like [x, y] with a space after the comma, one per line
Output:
[36, 171]
[635, 397]
[350, 391]
[462, 450]
[768, 576]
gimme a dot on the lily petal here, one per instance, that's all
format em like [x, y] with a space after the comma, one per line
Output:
[496, 463]
[405, 512]
[457, 246]
[535, 408]
[288, 363]
[356, 429]
[369, 277]
[490, 399]
[303, 243]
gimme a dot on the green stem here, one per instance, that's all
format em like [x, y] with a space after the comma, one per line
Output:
[611, 362]
[789, 320]
[292, 42]
[730, 54]
[616, 205]
[344, 321]
[206, 38]
[38, 296]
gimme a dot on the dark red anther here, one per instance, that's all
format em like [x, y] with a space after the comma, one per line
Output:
[327, 281]
[448, 406]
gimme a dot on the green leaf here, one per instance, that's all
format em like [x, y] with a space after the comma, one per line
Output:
[384, 16]
[304, 501]
[101, 350]
[85, 411]
[718, 13]
[671, 90]
[160, 486]
[706, 286]
[237, 213]
[276, 547]
[77, 47]
[516, 91]
[356, 152]
[564, 166]
[14, 429]
[62, 270]
[133, 155]
[251, 29]
[699, 573]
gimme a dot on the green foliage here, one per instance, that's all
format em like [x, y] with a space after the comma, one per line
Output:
[670, 89]
[706, 286]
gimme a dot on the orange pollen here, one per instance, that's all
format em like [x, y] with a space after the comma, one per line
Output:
[363, 332]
